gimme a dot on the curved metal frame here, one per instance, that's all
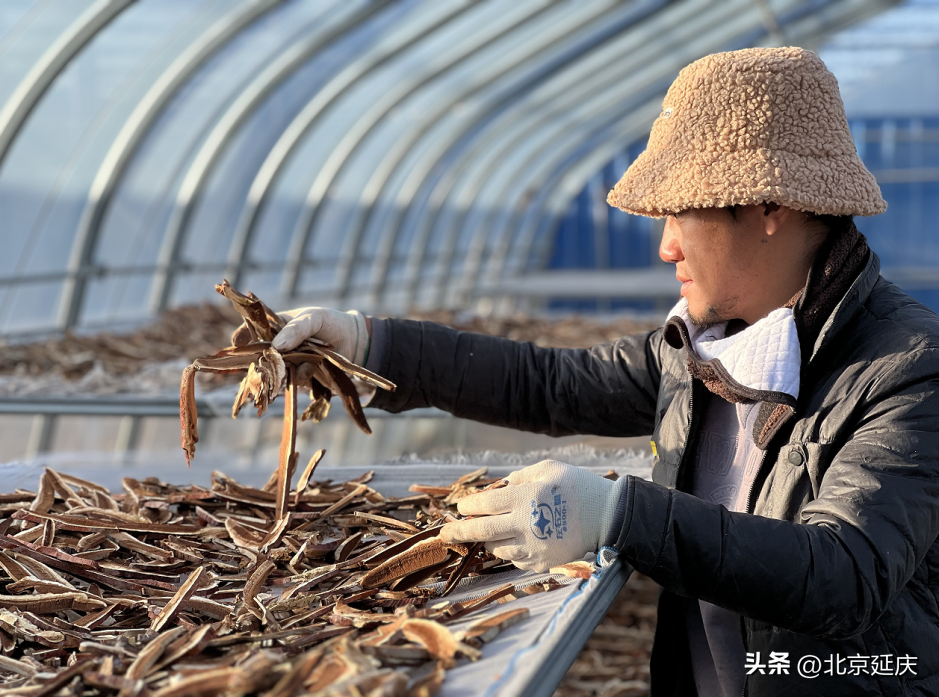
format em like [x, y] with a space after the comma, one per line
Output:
[838, 15]
[433, 161]
[502, 251]
[575, 178]
[308, 117]
[373, 190]
[615, 128]
[498, 256]
[32, 87]
[607, 116]
[423, 170]
[371, 194]
[125, 145]
[423, 184]
[290, 60]
[52, 198]
[489, 145]
[343, 150]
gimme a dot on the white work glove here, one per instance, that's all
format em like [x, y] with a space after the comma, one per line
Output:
[549, 514]
[345, 331]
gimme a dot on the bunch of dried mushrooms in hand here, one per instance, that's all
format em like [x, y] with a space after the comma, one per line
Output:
[312, 366]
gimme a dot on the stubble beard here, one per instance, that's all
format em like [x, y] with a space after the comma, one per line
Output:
[713, 314]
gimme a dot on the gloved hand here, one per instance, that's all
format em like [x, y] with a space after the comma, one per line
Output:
[549, 514]
[346, 331]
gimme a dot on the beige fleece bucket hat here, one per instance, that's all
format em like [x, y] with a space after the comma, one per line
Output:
[747, 127]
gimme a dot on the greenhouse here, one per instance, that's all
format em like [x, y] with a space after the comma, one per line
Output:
[447, 162]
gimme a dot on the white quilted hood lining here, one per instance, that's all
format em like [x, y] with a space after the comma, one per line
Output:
[765, 356]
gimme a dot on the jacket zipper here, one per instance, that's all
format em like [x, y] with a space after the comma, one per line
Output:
[756, 476]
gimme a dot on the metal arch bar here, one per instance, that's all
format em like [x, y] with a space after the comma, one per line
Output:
[301, 125]
[812, 28]
[499, 254]
[835, 18]
[516, 217]
[570, 84]
[343, 150]
[597, 152]
[34, 85]
[540, 129]
[126, 143]
[288, 62]
[648, 63]
[610, 118]
[502, 251]
[613, 129]
[60, 275]
[573, 179]
[773, 31]
[372, 193]
[441, 188]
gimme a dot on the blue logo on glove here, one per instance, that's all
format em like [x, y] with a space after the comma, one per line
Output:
[549, 519]
[541, 521]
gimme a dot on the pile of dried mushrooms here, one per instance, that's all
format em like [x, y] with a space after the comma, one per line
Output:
[183, 590]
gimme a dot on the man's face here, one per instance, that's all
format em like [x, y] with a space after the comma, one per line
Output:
[725, 265]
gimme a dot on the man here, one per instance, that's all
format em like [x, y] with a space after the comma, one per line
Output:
[791, 399]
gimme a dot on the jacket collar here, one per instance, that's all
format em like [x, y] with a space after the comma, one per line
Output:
[836, 272]
[856, 296]
[759, 364]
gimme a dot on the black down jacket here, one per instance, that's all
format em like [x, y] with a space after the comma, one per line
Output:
[838, 555]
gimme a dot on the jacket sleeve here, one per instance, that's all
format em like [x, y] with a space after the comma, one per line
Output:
[608, 390]
[836, 572]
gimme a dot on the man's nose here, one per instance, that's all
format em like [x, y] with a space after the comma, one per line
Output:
[670, 249]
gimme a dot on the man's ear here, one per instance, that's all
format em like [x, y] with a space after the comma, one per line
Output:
[774, 217]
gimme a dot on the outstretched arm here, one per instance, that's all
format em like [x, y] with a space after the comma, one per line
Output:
[607, 390]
